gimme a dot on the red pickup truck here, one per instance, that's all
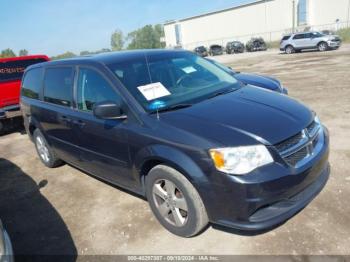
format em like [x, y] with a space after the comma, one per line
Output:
[11, 71]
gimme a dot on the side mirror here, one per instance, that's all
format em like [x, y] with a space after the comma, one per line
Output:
[108, 110]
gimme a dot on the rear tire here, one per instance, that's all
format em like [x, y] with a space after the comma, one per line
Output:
[45, 153]
[289, 50]
[175, 202]
[322, 47]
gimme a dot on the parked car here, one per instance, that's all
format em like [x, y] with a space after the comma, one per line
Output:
[309, 40]
[201, 51]
[266, 82]
[234, 47]
[180, 131]
[11, 71]
[6, 252]
[216, 50]
[256, 44]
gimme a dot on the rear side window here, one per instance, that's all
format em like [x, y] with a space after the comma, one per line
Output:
[58, 86]
[285, 37]
[13, 70]
[300, 36]
[32, 83]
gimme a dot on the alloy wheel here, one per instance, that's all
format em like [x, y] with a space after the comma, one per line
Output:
[42, 149]
[170, 202]
[323, 47]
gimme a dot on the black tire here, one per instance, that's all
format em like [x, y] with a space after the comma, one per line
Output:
[289, 49]
[51, 161]
[196, 218]
[322, 46]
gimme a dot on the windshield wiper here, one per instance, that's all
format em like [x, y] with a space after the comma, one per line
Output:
[222, 93]
[172, 108]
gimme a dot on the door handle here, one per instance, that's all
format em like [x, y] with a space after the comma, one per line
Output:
[79, 123]
[65, 119]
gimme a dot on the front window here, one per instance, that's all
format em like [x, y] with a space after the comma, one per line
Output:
[93, 88]
[317, 34]
[187, 78]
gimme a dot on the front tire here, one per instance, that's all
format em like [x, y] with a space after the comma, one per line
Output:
[175, 202]
[45, 153]
[322, 47]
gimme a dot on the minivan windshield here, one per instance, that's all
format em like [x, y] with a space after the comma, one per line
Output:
[169, 79]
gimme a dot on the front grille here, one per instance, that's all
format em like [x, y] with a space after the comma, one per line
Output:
[296, 148]
[288, 143]
[294, 158]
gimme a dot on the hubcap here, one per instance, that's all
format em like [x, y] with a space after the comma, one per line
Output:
[322, 47]
[42, 149]
[170, 202]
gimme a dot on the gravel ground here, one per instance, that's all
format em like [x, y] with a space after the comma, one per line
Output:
[65, 211]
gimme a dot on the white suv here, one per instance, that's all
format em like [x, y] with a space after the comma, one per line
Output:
[309, 40]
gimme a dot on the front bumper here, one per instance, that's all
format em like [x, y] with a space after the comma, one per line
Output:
[334, 44]
[266, 197]
[10, 112]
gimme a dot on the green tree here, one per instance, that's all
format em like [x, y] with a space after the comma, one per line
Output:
[147, 37]
[23, 52]
[103, 50]
[117, 40]
[7, 53]
[64, 55]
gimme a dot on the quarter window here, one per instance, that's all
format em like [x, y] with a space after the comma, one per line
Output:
[58, 86]
[92, 89]
[32, 83]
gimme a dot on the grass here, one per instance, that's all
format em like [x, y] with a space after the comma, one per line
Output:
[273, 44]
[344, 34]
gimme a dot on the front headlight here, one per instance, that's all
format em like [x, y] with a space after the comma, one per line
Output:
[240, 160]
[317, 120]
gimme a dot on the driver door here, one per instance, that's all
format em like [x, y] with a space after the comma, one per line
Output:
[103, 143]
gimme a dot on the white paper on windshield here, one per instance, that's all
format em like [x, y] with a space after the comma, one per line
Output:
[153, 91]
[189, 69]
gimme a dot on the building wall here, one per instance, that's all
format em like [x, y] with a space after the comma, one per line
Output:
[269, 19]
[326, 11]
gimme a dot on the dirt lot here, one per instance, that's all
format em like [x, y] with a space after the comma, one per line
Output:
[64, 211]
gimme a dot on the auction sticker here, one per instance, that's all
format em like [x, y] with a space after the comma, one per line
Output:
[153, 91]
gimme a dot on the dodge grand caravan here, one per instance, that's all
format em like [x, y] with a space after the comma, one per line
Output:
[177, 129]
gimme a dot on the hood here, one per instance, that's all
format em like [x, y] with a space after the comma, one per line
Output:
[247, 116]
[261, 81]
[332, 37]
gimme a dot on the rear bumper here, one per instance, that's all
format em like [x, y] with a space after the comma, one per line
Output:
[10, 112]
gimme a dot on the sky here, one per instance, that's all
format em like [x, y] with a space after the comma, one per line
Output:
[53, 27]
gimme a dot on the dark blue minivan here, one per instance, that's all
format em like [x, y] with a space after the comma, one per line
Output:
[184, 133]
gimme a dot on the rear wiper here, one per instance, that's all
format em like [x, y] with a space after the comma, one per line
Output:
[172, 108]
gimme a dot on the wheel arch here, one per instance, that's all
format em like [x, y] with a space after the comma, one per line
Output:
[154, 155]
